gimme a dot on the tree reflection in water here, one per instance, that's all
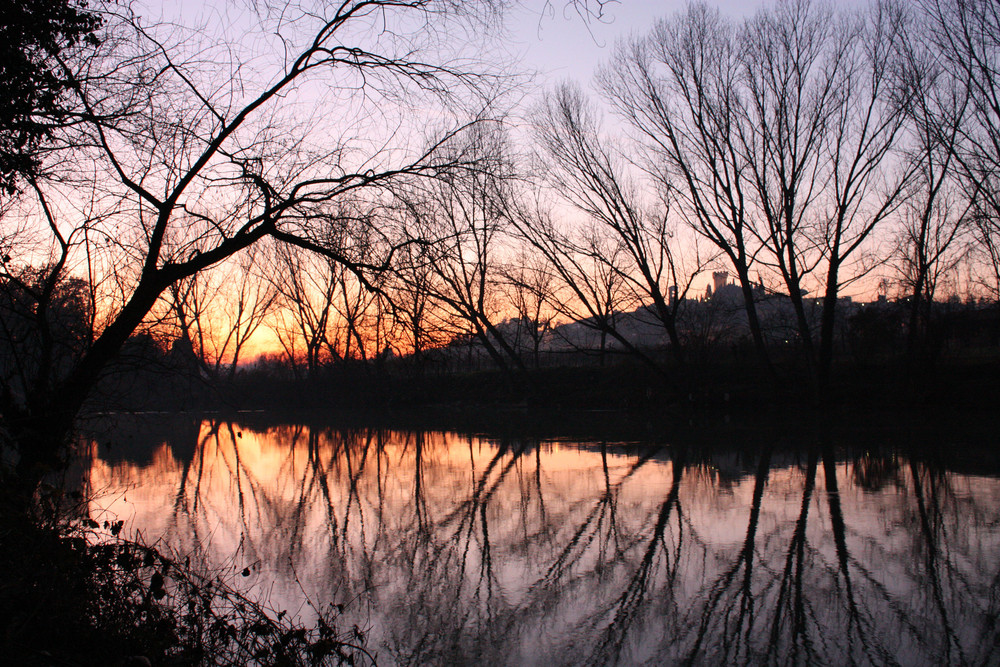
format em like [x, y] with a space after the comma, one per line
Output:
[450, 549]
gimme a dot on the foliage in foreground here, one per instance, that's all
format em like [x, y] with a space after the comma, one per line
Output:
[79, 594]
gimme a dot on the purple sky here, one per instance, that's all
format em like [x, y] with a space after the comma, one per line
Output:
[551, 38]
[549, 34]
[558, 43]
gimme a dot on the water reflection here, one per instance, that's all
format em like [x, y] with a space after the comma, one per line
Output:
[449, 549]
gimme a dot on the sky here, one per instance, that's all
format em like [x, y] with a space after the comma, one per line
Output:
[559, 45]
[557, 42]
[552, 38]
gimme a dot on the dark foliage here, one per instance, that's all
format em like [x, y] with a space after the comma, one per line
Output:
[44, 328]
[33, 36]
[78, 594]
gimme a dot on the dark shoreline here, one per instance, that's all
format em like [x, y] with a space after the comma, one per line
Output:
[682, 394]
[950, 411]
[967, 439]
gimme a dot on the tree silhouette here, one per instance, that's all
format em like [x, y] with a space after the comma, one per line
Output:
[164, 173]
[35, 37]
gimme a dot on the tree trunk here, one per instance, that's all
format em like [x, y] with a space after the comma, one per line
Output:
[827, 330]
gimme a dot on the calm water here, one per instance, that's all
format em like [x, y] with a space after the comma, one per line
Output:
[455, 549]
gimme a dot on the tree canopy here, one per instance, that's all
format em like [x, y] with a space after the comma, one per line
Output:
[34, 34]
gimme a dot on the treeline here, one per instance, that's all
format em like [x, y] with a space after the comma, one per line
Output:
[722, 376]
[805, 150]
[808, 151]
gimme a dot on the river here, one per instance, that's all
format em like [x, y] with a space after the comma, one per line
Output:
[457, 548]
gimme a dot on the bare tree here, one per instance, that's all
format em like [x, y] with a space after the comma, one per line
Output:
[589, 267]
[679, 89]
[530, 287]
[778, 135]
[470, 227]
[986, 232]
[183, 151]
[411, 291]
[865, 189]
[591, 176]
[964, 36]
[796, 63]
[935, 217]
[824, 115]
[307, 286]
[354, 307]
[218, 311]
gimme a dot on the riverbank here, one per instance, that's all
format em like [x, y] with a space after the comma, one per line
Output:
[76, 592]
[714, 388]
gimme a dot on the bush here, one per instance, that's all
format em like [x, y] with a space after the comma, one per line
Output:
[77, 593]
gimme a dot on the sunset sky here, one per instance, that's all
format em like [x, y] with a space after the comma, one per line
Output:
[551, 38]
